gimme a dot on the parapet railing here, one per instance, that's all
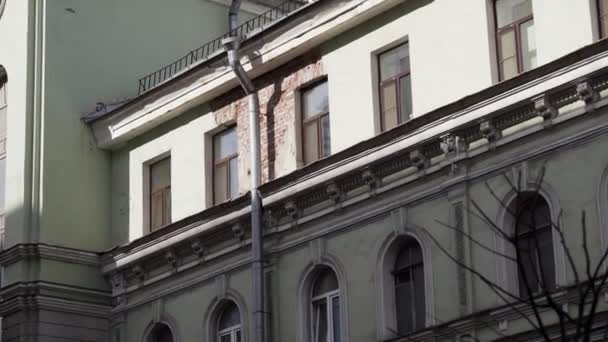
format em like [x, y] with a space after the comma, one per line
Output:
[202, 53]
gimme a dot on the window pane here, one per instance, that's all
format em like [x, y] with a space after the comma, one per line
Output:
[220, 183]
[404, 302]
[225, 338]
[156, 210]
[528, 45]
[419, 295]
[167, 203]
[238, 336]
[527, 254]
[325, 136]
[335, 307]
[326, 282]
[547, 263]
[507, 55]
[320, 331]
[508, 11]
[234, 177]
[389, 106]
[225, 144]
[394, 62]
[311, 142]
[164, 335]
[160, 174]
[315, 101]
[231, 317]
[405, 98]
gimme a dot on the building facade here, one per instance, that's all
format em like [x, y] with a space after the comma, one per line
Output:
[392, 133]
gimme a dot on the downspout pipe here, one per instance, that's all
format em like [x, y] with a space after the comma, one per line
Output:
[231, 45]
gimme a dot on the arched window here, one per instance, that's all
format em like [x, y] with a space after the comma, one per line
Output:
[409, 287]
[229, 324]
[533, 243]
[161, 333]
[325, 301]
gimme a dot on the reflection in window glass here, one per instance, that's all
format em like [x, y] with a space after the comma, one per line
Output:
[395, 87]
[316, 134]
[226, 166]
[515, 37]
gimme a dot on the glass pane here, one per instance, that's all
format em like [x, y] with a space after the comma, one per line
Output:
[160, 174]
[164, 335]
[311, 142]
[335, 314]
[419, 297]
[547, 262]
[389, 106]
[225, 144]
[527, 254]
[410, 254]
[225, 338]
[2, 185]
[315, 101]
[507, 55]
[238, 336]
[394, 62]
[528, 45]
[325, 137]
[405, 98]
[167, 203]
[319, 316]
[156, 210]
[404, 302]
[220, 183]
[508, 11]
[326, 282]
[230, 318]
[234, 177]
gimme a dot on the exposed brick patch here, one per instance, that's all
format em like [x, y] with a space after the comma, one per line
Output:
[277, 91]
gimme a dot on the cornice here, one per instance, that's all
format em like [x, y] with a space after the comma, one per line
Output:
[446, 151]
[55, 297]
[22, 252]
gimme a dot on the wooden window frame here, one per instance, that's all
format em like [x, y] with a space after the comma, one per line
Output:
[166, 198]
[602, 27]
[328, 297]
[226, 161]
[409, 269]
[382, 83]
[514, 26]
[317, 117]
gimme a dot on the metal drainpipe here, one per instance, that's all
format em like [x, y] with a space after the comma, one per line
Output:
[231, 45]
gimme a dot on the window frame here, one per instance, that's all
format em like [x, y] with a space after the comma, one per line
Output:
[602, 27]
[166, 207]
[514, 26]
[231, 331]
[409, 269]
[317, 118]
[328, 297]
[223, 161]
[382, 83]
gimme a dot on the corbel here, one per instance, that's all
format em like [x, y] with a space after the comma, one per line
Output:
[333, 191]
[370, 178]
[545, 109]
[139, 272]
[490, 132]
[585, 92]
[238, 230]
[451, 144]
[197, 247]
[292, 209]
[419, 160]
[171, 258]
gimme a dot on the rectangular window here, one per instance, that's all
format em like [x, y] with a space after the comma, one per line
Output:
[395, 87]
[602, 14]
[225, 166]
[515, 37]
[160, 194]
[316, 135]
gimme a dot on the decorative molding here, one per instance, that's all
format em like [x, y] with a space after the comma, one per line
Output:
[23, 252]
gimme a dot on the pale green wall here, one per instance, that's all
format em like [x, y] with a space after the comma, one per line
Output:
[96, 51]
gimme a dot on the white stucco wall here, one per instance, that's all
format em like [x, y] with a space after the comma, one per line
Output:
[452, 55]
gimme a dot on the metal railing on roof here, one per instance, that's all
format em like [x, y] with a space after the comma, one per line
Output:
[200, 54]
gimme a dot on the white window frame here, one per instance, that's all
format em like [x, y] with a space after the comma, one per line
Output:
[329, 297]
[231, 331]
